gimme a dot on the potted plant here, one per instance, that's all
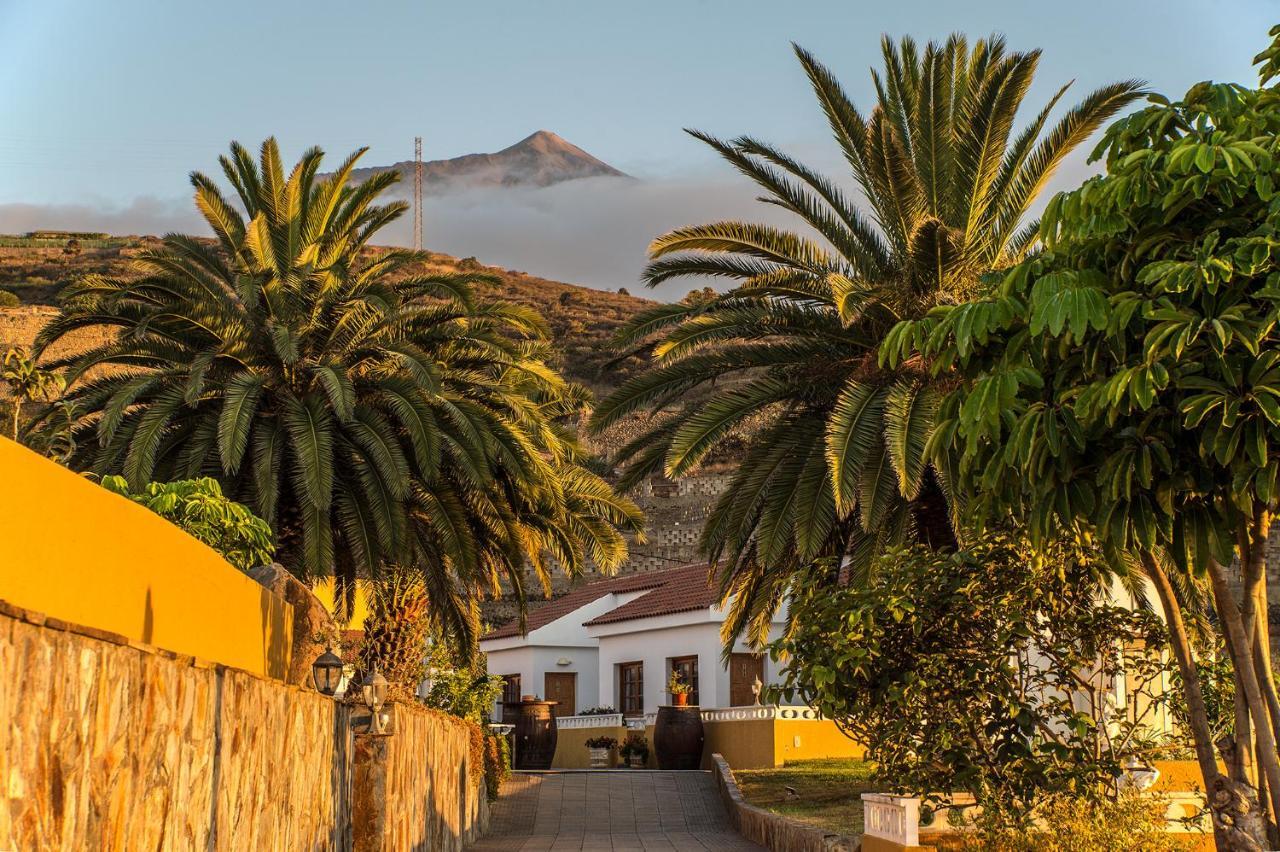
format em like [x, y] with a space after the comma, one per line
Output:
[679, 690]
[598, 748]
[635, 751]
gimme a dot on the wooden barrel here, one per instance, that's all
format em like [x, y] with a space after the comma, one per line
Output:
[678, 737]
[535, 733]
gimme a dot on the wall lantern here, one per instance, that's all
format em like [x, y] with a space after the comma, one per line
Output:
[564, 661]
[373, 693]
[326, 672]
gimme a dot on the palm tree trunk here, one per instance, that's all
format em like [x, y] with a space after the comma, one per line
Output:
[17, 409]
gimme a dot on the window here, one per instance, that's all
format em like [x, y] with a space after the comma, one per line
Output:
[631, 688]
[510, 688]
[687, 668]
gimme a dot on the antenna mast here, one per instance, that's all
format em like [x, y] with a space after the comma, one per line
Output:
[417, 193]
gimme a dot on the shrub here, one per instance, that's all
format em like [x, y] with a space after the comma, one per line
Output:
[497, 765]
[463, 688]
[9, 299]
[199, 508]
[1123, 824]
[602, 742]
[599, 711]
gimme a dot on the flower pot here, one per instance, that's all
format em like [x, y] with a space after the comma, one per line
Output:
[599, 758]
[636, 761]
[680, 699]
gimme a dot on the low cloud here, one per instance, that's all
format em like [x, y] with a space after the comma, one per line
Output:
[593, 231]
[144, 215]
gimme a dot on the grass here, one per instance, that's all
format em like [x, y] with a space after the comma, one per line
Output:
[827, 792]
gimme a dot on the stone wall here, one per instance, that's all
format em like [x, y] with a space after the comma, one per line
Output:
[431, 800]
[109, 744]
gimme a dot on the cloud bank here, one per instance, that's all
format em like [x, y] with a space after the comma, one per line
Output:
[592, 231]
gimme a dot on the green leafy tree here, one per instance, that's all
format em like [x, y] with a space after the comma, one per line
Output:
[199, 507]
[838, 467]
[371, 414]
[27, 383]
[1125, 385]
[989, 670]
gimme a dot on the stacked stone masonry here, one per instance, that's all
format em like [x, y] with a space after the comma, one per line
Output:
[109, 745]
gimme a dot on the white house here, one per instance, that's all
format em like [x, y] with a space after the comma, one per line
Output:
[615, 642]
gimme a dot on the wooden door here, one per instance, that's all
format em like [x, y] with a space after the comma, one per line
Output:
[743, 671]
[563, 687]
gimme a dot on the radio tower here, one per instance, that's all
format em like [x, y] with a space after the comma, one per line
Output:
[417, 193]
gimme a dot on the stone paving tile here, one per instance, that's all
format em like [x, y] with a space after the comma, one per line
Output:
[617, 811]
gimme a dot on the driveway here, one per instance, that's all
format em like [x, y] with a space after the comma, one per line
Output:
[616, 810]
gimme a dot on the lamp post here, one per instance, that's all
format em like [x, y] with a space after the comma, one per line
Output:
[326, 672]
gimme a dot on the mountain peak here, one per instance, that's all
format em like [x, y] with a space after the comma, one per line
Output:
[542, 158]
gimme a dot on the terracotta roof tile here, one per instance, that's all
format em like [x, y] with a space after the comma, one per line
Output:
[579, 597]
[681, 590]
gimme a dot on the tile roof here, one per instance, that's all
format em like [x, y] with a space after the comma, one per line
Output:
[681, 590]
[579, 597]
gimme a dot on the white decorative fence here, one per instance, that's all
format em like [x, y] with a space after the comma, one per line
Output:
[892, 818]
[770, 711]
[600, 720]
[726, 714]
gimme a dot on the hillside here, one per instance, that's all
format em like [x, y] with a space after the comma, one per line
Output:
[540, 159]
[581, 319]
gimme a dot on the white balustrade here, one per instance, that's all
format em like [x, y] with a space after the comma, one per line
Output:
[603, 720]
[769, 711]
[893, 818]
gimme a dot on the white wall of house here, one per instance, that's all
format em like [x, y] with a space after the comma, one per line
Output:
[543, 649]
[533, 662]
[655, 641]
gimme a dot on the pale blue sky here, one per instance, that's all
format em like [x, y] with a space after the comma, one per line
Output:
[121, 98]
[109, 103]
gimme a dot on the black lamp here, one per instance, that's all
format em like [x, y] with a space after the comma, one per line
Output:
[326, 672]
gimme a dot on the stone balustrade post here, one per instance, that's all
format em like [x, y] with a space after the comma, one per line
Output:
[892, 818]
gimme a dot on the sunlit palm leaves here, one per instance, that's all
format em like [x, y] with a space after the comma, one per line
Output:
[944, 185]
[372, 414]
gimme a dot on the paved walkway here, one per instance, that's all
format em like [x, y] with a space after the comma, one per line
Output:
[637, 810]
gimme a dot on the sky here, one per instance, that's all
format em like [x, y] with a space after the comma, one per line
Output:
[106, 106]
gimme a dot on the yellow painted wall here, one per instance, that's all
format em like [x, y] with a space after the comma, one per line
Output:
[801, 739]
[743, 743]
[73, 550]
[323, 590]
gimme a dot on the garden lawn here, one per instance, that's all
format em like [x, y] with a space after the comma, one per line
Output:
[827, 792]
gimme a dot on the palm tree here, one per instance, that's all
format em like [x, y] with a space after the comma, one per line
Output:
[838, 471]
[27, 382]
[370, 413]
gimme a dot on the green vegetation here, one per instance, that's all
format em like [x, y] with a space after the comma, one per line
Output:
[838, 467]
[827, 793]
[988, 670]
[9, 299]
[27, 383]
[1124, 824]
[371, 419]
[199, 507]
[1124, 386]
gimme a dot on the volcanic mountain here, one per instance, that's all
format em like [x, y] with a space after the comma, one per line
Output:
[538, 160]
